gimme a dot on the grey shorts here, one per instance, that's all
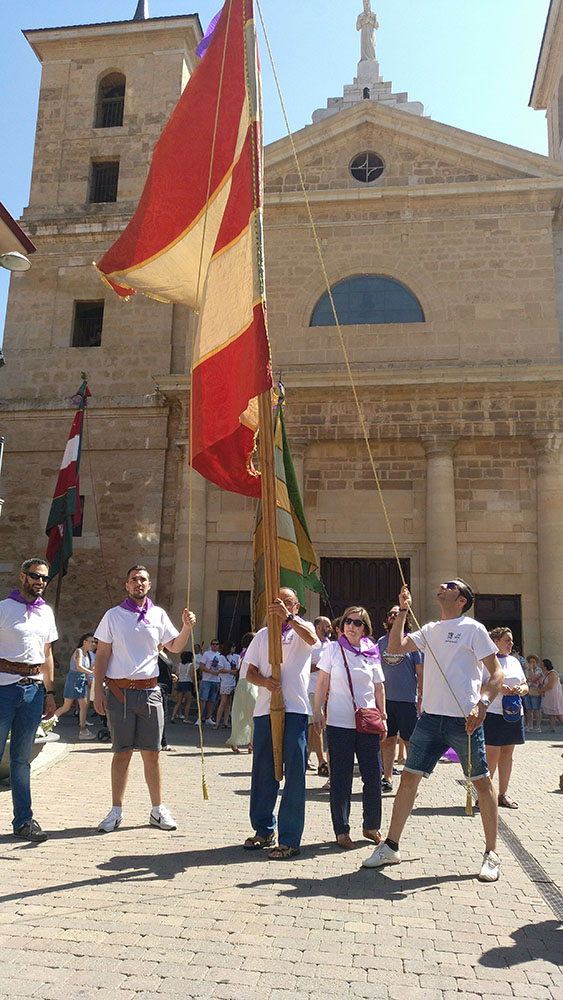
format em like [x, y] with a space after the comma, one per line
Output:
[138, 723]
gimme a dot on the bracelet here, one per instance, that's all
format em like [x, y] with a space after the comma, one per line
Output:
[50, 692]
[406, 610]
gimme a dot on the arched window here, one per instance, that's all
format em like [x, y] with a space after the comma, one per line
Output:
[368, 298]
[110, 101]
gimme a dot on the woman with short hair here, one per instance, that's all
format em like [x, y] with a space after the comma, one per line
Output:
[353, 668]
[502, 736]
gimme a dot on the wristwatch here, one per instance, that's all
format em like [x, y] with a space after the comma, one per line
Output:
[485, 700]
[49, 692]
[289, 619]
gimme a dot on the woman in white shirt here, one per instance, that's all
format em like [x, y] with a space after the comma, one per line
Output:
[502, 736]
[357, 652]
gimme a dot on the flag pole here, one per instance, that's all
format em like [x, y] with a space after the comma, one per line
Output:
[60, 579]
[271, 570]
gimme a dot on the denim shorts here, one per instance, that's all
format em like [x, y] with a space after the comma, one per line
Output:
[434, 734]
[208, 691]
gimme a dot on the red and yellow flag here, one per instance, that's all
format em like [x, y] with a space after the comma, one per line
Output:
[197, 239]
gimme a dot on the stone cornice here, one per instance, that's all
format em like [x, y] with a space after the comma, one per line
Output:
[296, 377]
[451, 140]
[534, 185]
[180, 23]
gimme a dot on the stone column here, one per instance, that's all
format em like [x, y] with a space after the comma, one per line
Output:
[441, 537]
[549, 491]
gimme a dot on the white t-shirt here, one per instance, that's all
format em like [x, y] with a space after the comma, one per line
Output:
[228, 682]
[295, 671]
[210, 662]
[365, 672]
[23, 638]
[459, 645]
[315, 657]
[513, 675]
[134, 651]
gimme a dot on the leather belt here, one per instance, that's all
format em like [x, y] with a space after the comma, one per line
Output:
[118, 685]
[22, 669]
[25, 681]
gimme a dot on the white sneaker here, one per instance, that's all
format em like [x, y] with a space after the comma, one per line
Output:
[87, 736]
[490, 869]
[111, 822]
[383, 855]
[209, 722]
[162, 817]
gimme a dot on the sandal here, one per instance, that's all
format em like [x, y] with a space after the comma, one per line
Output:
[283, 853]
[507, 802]
[322, 770]
[345, 841]
[256, 843]
[235, 750]
[372, 835]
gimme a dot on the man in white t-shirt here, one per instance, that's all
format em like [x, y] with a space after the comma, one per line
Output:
[129, 637]
[298, 639]
[27, 631]
[454, 704]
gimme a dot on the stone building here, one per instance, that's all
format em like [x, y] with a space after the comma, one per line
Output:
[443, 250]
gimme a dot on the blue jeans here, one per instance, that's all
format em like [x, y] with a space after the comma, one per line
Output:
[264, 788]
[343, 745]
[21, 709]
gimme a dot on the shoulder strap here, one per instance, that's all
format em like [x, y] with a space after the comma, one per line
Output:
[349, 678]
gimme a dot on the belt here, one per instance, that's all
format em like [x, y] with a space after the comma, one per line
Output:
[118, 685]
[25, 681]
[23, 669]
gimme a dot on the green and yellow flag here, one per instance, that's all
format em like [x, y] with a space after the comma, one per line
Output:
[298, 560]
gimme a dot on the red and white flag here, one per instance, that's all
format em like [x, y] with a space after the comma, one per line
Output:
[197, 239]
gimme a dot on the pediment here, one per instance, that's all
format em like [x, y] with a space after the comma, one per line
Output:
[416, 152]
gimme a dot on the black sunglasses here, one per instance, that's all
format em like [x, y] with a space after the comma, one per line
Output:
[38, 576]
[353, 621]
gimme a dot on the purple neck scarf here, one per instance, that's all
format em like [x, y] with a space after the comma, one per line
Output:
[30, 606]
[131, 605]
[366, 647]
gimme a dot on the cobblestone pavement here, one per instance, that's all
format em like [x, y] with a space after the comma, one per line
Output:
[141, 913]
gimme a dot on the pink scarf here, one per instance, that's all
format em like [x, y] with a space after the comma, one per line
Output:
[30, 606]
[366, 647]
[130, 605]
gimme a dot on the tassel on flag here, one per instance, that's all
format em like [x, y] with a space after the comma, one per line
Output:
[197, 239]
[65, 510]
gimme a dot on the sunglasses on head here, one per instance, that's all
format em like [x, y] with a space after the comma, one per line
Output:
[38, 576]
[353, 621]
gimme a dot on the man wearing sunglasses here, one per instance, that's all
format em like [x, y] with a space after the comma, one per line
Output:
[454, 704]
[27, 631]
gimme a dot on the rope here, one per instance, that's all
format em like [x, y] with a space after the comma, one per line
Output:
[362, 421]
[205, 790]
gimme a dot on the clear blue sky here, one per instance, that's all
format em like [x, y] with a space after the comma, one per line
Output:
[471, 65]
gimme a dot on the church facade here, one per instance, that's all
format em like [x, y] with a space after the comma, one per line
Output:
[443, 252]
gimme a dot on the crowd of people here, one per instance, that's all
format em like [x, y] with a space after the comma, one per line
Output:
[449, 687]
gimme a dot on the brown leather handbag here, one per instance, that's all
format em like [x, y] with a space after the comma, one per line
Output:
[368, 720]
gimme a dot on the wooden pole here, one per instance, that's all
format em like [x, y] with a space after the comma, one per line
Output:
[271, 569]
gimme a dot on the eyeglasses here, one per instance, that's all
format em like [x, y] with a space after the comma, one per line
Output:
[353, 621]
[452, 585]
[392, 614]
[38, 576]
[214, 643]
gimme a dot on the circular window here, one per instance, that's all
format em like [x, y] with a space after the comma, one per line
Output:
[366, 167]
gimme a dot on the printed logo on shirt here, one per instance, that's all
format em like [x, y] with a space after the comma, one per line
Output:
[393, 659]
[453, 636]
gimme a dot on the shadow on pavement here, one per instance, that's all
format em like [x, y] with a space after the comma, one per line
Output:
[359, 884]
[531, 941]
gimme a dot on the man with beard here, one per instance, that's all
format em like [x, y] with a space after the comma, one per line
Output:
[27, 630]
[129, 637]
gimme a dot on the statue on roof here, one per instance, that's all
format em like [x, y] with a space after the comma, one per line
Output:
[368, 24]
